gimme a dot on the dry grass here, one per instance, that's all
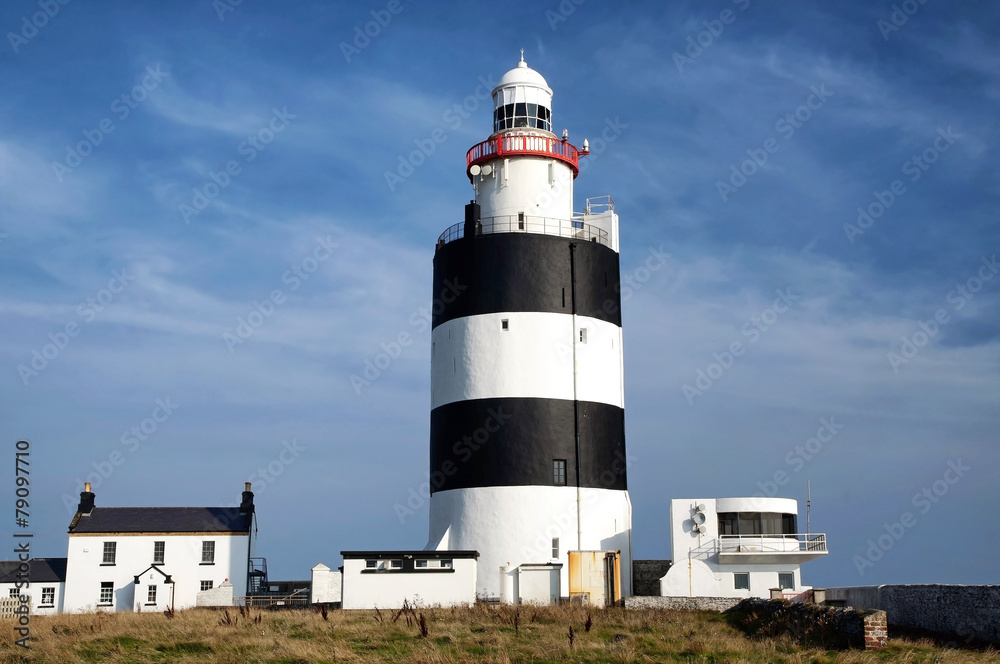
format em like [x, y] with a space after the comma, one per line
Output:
[478, 634]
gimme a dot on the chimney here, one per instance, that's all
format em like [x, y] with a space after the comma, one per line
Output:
[246, 507]
[86, 505]
[473, 226]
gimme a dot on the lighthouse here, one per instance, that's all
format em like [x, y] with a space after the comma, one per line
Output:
[527, 431]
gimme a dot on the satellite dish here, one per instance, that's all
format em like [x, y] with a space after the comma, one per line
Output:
[698, 518]
[474, 169]
[487, 169]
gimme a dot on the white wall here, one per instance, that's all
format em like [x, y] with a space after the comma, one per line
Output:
[34, 591]
[537, 186]
[325, 586]
[474, 358]
[509, 526]
[134, 554]
[388, 589]
[704, 576]
[538, 585]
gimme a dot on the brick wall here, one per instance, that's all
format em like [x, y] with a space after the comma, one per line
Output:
[964, 613]
[682, 603]
[823, 626]
[646, 575]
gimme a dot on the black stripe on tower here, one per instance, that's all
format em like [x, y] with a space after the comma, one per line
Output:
[517, 272]
[515, 441]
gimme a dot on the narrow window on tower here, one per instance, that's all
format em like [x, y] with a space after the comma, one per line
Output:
[555, 547]
[520, 221]
[504, 325]
[559, 472]
[564, 298]
[583, 335]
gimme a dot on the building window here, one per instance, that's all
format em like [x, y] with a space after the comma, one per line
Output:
[151, 595]
[446, 563]
[504, 325]
[12, 593]
[48, 596]
[742, 580]
[395, 564]
[768, 524]
[583, 335]
[786, 580]
[555, 547]
[206, 585]
[110, 548]
[421, 563]
[371, 564]
[107, 593]
[208, 553]
[158, 549]
[559, 472]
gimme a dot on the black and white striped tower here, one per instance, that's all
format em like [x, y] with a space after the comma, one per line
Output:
[527, 393]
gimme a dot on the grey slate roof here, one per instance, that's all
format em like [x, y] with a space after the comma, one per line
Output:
[162, 520]
[43, 570]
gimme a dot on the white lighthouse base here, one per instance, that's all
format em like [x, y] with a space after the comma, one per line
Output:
[513, 525]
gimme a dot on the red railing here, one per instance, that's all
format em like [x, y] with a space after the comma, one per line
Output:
[519, 144]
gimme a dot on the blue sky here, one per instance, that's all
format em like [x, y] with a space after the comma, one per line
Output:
[128, 253]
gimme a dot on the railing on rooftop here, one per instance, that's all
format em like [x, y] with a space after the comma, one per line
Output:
[812, 542]
[512, 223]
[503, 145]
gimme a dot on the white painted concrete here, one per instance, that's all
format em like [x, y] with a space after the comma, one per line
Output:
[475, 358]
[326, 584]
[35, 591]
[697, 571]
[536, 186]
[388, 589]
[538, 584]
[514, 525]
[134, 554]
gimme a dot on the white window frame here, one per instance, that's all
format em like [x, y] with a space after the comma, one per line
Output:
[208, 552]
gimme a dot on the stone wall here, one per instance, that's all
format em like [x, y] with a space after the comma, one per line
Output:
[682, 603]
[965, 613]
[646, 575]
[823, 626]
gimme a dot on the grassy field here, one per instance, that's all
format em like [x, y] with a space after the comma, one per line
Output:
[479, 634]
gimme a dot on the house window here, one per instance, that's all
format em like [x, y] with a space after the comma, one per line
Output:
[206, 585]
[421, 563]
[559, 472]
[446, 563]
[48, 596]
[786, 580]
[158, 549]
[555, 547]
[371, 564]
[151, 595]
[396, 564]
[109, 553]
[741, 580]
[107, 593]
[208, 553]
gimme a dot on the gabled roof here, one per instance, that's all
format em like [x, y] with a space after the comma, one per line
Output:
[179, 520]
[43, 570]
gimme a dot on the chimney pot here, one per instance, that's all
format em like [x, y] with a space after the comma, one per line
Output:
[247, 486]
[86, 487]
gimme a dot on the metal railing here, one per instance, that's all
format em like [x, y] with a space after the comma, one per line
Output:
[511, 144]
[513, 223]
[297, 598]
[812, 542]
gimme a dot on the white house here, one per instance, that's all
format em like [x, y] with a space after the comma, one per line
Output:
[44, 583]
[385, 579]
[737, 547]
[154, 558]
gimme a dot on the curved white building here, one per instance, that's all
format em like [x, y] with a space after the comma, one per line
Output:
[738, 547]
[527, 391]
